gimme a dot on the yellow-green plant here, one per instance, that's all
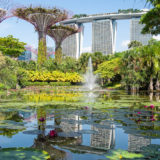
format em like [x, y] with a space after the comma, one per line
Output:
[42, 54]
[55, 76]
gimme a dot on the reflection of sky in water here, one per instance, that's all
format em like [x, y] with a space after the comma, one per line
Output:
[121, 141]
[86, 137]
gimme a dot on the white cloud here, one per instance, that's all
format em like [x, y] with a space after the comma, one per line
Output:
[157, 37]
[125, 43]
[87, 49]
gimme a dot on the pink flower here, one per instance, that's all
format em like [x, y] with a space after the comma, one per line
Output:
[42, 119]
[52, 133]
[152, 106]
[86, 107]
[152, 116]
[145, 106]
[152, 119]
[139, 112]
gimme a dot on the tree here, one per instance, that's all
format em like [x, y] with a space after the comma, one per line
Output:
[11, 46]
[133, 44]
[59, 33]
[42, 19]
[109, 69]
[151, 19]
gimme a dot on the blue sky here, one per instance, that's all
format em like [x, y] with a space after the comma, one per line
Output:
[25, 31]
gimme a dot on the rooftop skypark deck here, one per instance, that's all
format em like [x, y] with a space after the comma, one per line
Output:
[112, 16]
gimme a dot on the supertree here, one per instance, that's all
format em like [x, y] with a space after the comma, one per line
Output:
[5, 9]
[58, 33]
[2, 14]
[42, 19]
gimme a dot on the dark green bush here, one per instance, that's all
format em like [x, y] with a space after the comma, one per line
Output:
[47, 84]
[60, 84]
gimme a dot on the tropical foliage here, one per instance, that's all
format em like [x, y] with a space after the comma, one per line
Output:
[151, 19]
[11, 46]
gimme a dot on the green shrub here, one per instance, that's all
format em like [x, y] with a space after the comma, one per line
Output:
[3, 87]
[35, 83]
[59, 83]
[8, 77]
[46, 84]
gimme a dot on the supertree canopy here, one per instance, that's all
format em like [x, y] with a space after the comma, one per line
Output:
[42, 19]
[58, 33]
[2, 14]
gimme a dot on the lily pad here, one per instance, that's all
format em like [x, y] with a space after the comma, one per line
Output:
[122, 154]
[23, 153]
[33, 132]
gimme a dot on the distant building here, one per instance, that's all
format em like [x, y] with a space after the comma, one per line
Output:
[29, 54]
[135, 32]
[72, 45]
[104, 36]
[26, 56]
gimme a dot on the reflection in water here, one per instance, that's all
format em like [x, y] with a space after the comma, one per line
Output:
[151, 96]
[90, 97]
[157, 97]
[135, 143]
[104, 139]
[75, 126]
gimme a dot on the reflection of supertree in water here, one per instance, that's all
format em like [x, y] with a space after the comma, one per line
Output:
[41, 118]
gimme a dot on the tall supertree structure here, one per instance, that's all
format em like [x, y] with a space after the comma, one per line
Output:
[42, 19]
[58, 33]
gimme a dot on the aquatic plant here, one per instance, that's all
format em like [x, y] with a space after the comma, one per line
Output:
[52, 133]
[122, 154]
[23, 153]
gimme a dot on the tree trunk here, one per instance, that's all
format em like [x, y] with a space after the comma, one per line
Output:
[58, 53]
[157, 85]
[151, 84]
[42, 49]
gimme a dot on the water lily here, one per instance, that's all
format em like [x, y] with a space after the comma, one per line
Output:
[52, 133]
[152, 106]
[86, 107]
[145, 106]
[152, 119]
[42, 119]
[139, 112]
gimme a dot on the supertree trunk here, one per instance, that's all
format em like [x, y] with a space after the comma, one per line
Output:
[41, 22]
[58, 53]
[58, 34]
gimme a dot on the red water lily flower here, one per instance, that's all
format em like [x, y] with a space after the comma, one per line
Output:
[139, 112]
[42, 119]
[152, 106]
[145, 106]
[52, 133]
[152, 119]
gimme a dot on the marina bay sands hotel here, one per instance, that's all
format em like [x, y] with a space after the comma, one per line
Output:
[104, 29]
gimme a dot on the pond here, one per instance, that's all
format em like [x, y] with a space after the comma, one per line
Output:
[67, 123]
